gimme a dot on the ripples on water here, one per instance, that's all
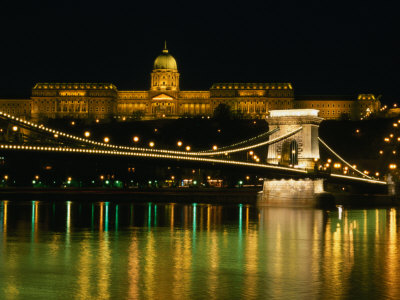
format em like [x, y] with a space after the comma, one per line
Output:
[109, 250]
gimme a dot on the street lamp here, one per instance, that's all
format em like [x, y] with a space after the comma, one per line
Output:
[106, 139]
[136, 139]
[151, 144]
[188, 148]
[215, 147]
[87, 134]
[179, 143]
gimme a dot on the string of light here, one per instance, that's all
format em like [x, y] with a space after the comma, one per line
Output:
[342, 159]
[149, 155]
[99, 144]
[265, 134]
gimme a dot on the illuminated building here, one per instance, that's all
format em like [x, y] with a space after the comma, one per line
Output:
[166, 100]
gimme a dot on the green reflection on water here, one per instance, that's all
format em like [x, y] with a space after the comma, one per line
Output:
[149, 215]
[106, 217]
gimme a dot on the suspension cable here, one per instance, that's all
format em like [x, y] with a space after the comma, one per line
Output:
[245, 141]
[342, 159]
[147, 150]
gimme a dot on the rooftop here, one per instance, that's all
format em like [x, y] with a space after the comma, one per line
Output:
[74, 86]
[253, 86]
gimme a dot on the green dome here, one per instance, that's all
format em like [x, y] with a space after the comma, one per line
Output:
[165, 61]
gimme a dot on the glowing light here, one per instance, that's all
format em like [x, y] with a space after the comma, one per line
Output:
[106, 139]
[179, 143]
[15, 128]
[188, 148]
[87, 134]
[293, 113]
[386, 139]
[380, 151]
[136, 139]
[392, 166]
[337, 165]
[357, 130]
[215, 147]
[151, 144]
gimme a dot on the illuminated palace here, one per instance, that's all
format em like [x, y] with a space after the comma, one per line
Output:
[166, 100]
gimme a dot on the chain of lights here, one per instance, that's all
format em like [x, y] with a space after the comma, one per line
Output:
[99, 144]
[359, 179]
[265, 134]
[275, 140]
[164, 156]
[148, 155]
[341, 159]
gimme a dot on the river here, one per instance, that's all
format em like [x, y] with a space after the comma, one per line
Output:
[123, 250]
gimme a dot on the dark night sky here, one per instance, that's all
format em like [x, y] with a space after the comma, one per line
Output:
[322, 47]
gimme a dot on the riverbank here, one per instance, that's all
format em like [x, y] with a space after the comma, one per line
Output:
[184, 195]
[246, 195]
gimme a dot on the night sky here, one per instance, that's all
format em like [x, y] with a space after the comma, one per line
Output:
[322, 47]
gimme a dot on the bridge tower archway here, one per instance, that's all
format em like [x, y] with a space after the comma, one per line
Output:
[300, 149]
[290, 153]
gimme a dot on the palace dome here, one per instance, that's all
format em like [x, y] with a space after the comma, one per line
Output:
[165, 61]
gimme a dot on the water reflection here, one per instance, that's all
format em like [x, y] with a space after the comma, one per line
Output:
[196, 251]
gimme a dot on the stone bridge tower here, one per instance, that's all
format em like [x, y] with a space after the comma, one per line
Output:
[300, 149]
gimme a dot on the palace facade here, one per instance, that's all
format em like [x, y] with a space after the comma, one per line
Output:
[164, 99]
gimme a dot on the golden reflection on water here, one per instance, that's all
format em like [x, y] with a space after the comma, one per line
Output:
[84, 269]
[5, 206]
[392, 260]
[11, 290]
[133, 268]
[150, 267]
[252, 257]
[184, 251]
[213, 263]
[103, 266]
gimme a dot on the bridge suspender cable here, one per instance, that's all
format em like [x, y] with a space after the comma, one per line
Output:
[245, 141]
[275, 140]
[341, 159]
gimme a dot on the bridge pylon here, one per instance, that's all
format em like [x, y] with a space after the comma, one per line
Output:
[300, 149]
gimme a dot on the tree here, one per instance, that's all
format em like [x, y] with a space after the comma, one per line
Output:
[223, 112]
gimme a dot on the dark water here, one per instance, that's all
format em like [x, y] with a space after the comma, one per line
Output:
[108, 250]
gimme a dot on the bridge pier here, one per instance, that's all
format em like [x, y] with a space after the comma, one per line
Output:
[300, 149]
[294, 193]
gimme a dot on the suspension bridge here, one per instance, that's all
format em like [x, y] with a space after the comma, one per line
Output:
[292, 141]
